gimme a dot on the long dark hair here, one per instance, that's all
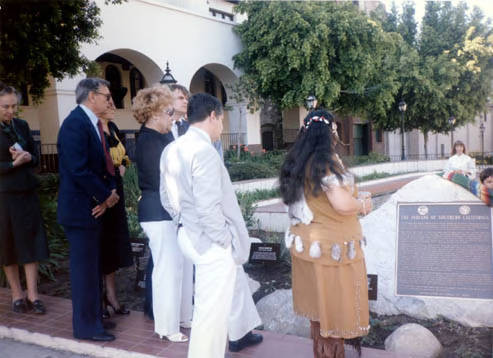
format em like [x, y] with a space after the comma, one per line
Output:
[315, 148]
[456, 144]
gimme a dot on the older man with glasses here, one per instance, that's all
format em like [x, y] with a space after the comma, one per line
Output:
[87, 189]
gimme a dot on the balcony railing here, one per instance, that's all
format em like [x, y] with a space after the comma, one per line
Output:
[230, 139]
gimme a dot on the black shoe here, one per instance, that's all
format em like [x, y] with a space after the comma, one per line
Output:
[103, 337]
[36, 307]
[109, 325]
[249, 339]
[105, 314]
[19, 306]
[121, 310]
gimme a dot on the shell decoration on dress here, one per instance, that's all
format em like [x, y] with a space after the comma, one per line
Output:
[288, 239]
[299, 212]
[315, 250]
[298, 244]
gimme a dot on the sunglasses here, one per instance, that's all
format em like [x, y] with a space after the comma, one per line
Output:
[170, 112]
[108, 96]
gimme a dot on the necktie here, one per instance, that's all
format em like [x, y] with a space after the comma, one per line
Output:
[182, 127]
[107, 157]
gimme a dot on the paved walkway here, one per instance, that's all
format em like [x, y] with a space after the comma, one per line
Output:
[135, 337]
[375, 187]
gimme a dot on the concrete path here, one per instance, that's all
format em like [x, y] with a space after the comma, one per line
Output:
[14, 349]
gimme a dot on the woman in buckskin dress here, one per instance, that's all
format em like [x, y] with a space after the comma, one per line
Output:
[325, 238]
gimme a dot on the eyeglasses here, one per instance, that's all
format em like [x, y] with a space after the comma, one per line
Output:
[170, 112]
[107, 95]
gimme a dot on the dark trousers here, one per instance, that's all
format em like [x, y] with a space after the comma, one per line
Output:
[148, 291]
[85, 278]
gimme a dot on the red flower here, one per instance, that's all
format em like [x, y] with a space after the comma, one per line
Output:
[245, 148]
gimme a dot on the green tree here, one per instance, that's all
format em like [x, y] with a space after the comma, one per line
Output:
[445, 71]
[42, 38]
[408, 27]
[331, 50]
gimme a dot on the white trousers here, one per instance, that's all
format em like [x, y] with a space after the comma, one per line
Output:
[215, 274]
[172, 278]
[244, 316]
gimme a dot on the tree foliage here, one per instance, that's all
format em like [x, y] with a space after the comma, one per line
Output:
[331, 50]
[446, 71]
[41, 38]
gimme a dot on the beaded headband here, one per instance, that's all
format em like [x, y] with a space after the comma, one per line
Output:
[316, 119]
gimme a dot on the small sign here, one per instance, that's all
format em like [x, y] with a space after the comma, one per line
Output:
[262, 252]
[372, 287]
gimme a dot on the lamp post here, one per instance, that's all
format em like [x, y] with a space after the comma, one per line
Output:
[311, 103]
[167, 77]
[481, 129]
[451, 122]
[402, 109]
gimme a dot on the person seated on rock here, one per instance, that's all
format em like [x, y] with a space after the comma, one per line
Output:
[460, 162]
[482, 188]
[325, 238]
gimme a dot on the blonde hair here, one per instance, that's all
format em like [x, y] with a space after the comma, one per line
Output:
[150, 101]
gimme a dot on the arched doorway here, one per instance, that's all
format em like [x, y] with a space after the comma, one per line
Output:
[112, 75]
[127, 71]
[217, 80]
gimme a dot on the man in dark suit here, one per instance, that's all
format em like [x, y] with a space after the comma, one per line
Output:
[87, 189]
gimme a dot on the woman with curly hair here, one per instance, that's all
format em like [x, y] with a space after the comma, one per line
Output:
[172, 275]
[325, 238]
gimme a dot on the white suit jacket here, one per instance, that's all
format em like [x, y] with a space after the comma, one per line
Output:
[197, 192]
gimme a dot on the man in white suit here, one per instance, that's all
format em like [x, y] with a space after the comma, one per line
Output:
[197, 192]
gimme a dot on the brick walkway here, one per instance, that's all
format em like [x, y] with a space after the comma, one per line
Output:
[135, 336]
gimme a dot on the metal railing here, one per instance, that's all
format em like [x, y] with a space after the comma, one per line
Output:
[436, 156]
[48, 158]
[229, 140]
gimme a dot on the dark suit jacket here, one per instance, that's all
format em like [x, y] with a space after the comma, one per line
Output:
[21, 178]
[84, 180]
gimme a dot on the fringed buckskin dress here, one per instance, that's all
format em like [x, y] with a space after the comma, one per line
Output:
[328, 265]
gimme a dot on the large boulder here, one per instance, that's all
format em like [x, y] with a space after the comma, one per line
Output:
[413, 340]
[380, 228]
[276, 311]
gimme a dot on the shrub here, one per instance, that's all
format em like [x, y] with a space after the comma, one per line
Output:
[57, 244]
[132, 194]
[371, 158]
[247, 202]
[251, 170]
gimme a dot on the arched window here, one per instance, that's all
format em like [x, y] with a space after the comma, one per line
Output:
[112, 75]
[136, 82]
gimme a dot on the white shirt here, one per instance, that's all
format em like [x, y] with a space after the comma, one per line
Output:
[461, 162]
[92, 117]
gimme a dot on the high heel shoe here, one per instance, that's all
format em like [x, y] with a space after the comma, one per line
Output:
[176, 337]
[120, 310]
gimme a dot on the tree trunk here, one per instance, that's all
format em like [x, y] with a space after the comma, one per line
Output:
[425, 136]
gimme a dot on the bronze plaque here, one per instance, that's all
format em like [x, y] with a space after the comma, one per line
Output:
[444, 250]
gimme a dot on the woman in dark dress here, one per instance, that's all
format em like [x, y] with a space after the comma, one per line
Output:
[115, 250]
[22, 237]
